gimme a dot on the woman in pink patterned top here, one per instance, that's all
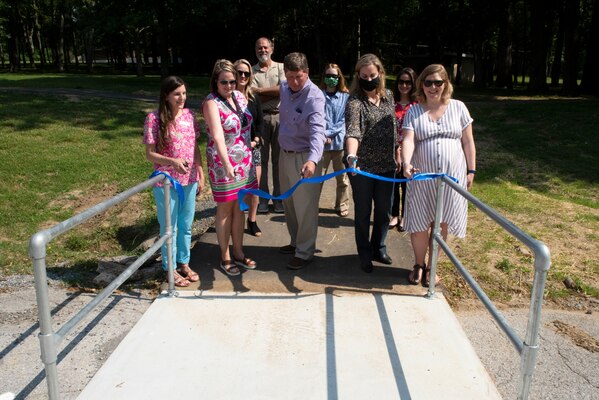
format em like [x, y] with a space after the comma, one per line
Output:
[170, 136]
[404, 94]
[229, 159]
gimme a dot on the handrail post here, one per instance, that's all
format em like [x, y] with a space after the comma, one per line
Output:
[434, 255]
[531, 341]
[49, 353]
[168, 230]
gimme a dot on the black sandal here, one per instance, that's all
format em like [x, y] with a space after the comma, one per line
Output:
[416, 272]
[253, 227]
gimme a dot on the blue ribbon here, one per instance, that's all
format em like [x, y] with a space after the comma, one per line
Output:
[319, 179]
[174, 183]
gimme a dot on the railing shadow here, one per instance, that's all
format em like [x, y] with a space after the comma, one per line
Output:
[39, 378]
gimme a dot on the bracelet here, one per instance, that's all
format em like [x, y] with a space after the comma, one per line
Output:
[471, 171]
[352, 156]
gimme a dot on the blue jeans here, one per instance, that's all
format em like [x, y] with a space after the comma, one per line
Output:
[365, 191]
[181, 219]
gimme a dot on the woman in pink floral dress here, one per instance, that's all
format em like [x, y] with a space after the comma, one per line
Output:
[170, 136]
[229, 159]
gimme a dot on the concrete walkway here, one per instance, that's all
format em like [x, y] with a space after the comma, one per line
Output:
[325, 332]
[304, 346]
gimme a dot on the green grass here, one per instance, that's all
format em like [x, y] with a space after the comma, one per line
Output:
[53, 155]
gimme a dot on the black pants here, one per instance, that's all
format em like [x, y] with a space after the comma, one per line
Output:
[365, 192]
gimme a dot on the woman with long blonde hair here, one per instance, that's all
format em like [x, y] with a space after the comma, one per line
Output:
[243, 71]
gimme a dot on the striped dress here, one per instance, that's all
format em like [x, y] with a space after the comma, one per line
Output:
[437, 149]
[237, 139]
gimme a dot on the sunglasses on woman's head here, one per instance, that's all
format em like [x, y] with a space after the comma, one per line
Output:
[244, 73]
[428, 83]
[224, 83]
[404, 82]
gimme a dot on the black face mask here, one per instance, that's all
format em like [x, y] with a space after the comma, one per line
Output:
[369, 86]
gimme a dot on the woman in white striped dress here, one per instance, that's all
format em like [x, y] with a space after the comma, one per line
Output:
[438, 139]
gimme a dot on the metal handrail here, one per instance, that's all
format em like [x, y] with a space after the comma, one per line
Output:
[529, 347]
[50, 340]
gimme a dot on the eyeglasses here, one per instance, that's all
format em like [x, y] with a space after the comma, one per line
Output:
[244, 73]
[404, 82]
[331, 76]
[224, 83]
[428, 83]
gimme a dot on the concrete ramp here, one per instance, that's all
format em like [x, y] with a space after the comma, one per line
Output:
[341, 344]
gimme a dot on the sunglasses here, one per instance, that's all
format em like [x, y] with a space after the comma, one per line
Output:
[224, 83]
[331, 76]
[244, 73]
[404, 82]
[428, 83]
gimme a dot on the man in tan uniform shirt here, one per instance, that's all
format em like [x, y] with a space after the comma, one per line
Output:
[268, 76]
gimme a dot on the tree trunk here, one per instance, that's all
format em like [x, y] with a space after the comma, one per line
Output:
[28, 43]
[59, 55]
[556, 65]
[590, 84]
[572, 16]
[504, 48]
[538, 37]
[139, 65]
[13, 39]
[89, 50]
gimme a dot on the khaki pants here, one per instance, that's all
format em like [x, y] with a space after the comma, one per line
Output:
[342, 196]
[301, 209]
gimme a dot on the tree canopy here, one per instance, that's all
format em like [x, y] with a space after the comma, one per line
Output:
[497, 43]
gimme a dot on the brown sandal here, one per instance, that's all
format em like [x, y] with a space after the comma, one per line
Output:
[416, 272]
[245, 262]
[179, 280]
[188, 273]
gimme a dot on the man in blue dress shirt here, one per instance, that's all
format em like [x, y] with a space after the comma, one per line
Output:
[301, 138]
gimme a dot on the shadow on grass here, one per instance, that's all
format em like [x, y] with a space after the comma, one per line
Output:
[541, 140]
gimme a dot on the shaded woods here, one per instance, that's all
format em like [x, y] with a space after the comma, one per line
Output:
[537, 43]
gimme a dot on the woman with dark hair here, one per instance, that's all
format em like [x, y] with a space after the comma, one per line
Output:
[243, 73]
[438, 139]
[170, 136]
[335, 94]
[404, 94]
[371, 137]
[229, 159]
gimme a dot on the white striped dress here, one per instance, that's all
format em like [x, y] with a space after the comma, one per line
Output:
[437, 149]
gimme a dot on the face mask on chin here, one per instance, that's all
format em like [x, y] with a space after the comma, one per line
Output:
[369, 86]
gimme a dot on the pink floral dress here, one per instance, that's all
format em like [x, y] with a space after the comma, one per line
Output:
[237, 139]
[183, 134]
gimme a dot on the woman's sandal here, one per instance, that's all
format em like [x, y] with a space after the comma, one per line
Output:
[245, 262]
[187, 272]
[230, 268]
[427, 278]
[416, 272]
[253, 227]
[179, 280]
